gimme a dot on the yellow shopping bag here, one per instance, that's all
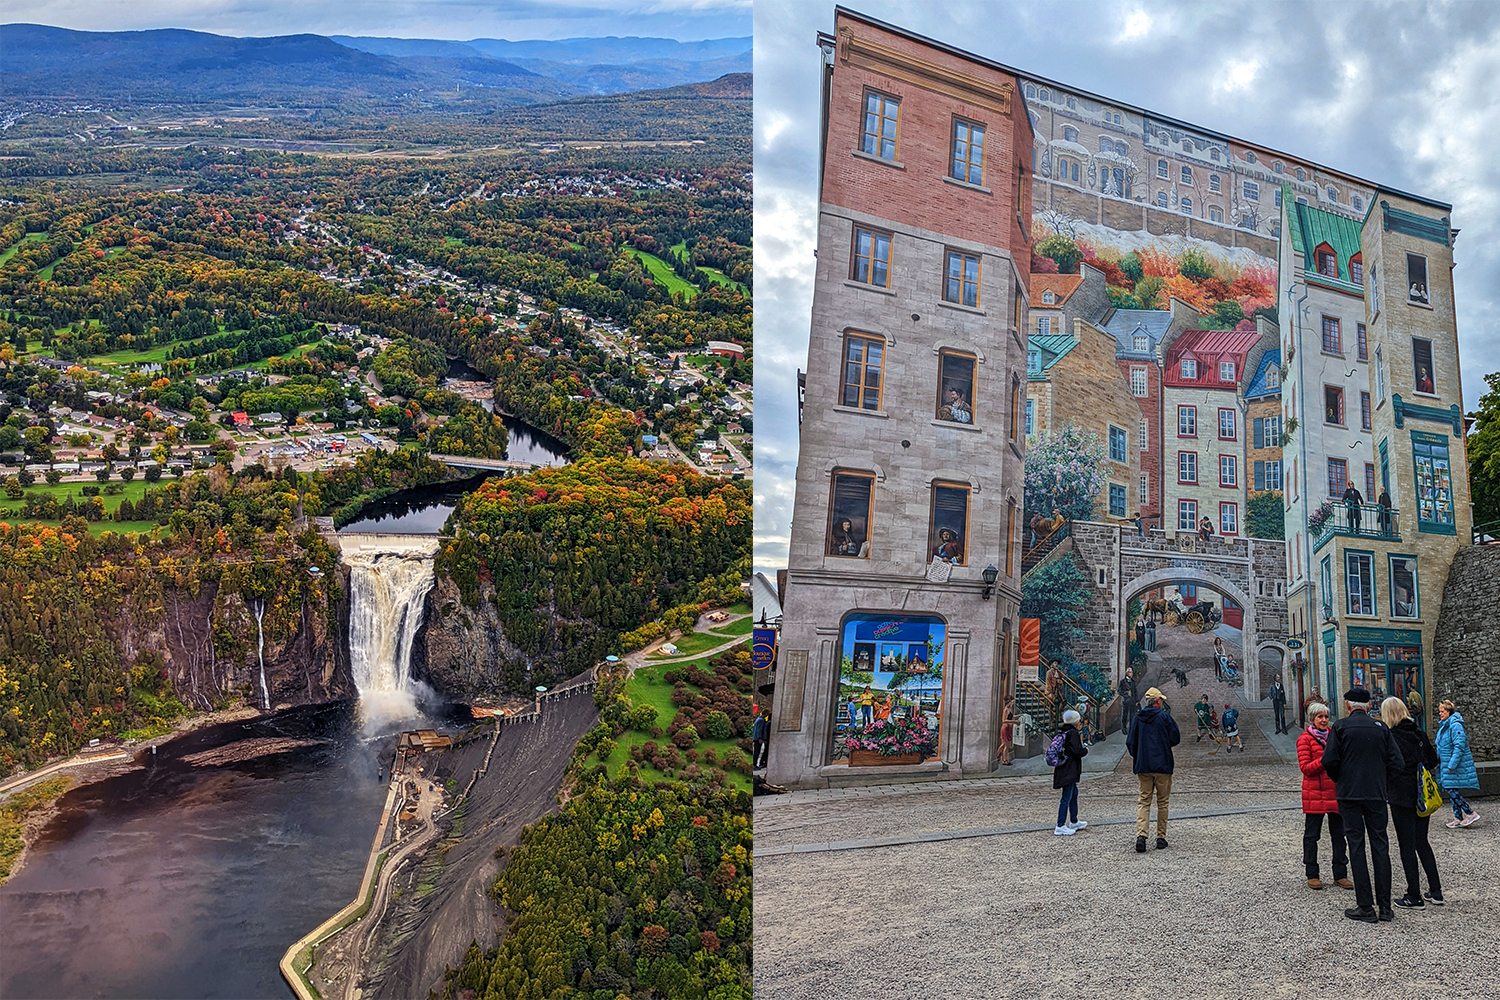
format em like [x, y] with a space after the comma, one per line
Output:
[1432, 799]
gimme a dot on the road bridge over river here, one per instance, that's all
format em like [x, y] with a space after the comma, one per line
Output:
[485, 464]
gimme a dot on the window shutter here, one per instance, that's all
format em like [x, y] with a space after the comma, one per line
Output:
[1260, 438]
[1260, 467]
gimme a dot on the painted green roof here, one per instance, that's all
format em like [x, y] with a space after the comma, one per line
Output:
[1311, 228]
[1052, 347]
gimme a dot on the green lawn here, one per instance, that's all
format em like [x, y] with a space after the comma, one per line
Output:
[646, 687]
[454, 241]
[742, 608]
[127, 357]
[45, 274]
[110, 253]
[692, 645]
[662, 273]
[715, 275]
[10, 252]
[133, 492]
[741, 626]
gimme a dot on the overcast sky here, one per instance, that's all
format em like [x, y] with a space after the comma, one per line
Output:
[1398, 94]
[684, 20]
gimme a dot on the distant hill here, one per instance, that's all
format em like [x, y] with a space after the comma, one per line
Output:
[593, 65]
[194, 67]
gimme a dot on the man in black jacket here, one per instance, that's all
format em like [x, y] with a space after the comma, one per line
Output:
[1130, 700]
[1360, 754]
[1277, 694]
[1153, 734]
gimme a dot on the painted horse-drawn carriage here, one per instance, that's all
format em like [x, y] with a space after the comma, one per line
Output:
[1203, 616]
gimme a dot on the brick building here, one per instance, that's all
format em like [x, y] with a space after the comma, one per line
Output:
[909, 478]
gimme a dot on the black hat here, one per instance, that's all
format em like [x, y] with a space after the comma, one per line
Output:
[1357, 696]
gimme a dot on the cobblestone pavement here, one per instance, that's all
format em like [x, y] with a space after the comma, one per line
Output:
[960, 889]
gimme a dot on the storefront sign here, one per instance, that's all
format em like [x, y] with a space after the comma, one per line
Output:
[763, 648]
[1294, 644]
[1397, 636]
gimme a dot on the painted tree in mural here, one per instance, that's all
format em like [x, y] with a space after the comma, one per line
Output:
[1053, 593]
[1065, 473]
[1265, 516]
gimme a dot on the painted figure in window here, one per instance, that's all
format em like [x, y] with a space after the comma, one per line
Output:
[1418, 292]
[955, 407]
[847, 541]
[867, 706]
[1421, 352]
[1205, 529]
[948, 548]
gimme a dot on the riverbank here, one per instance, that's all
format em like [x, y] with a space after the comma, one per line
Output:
[84, 769]
[21, 816]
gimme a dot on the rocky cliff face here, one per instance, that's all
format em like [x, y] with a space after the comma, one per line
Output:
[463, 652]
[209, 644]
[1466, 648]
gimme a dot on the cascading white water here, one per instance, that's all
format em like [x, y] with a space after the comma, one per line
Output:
[389, 577]
[258, 609]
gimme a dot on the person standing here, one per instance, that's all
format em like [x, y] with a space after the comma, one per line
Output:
[1359, 755]
[1277, 694]
[1404, 796]
[1458, 773]
[1152, 737]
[1385, 512]
[1150, 636]
[1352, 501]
[1318, 800]
[1130, 700]
[760, 733]
[1205, 529]
[1066, 774]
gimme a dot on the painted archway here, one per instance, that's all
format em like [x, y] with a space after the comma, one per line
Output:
[1249, 649]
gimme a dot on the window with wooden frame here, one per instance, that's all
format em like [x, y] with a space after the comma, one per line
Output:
[849, 514]
[864, 359]
[1228, 425]
[882, 114]
[1010, 539]
[1361, 342]
[1333, 338]
[1229, 519]
[1421, 363]
[1226, 371]
[1327, 261]
[1364, 411]
[1357, 268]
[1187, 515]
[1338, 477]
[1416, 280]
[1015, 407]
[961, 278]
[1020, 316]
[1187, 467]
[1189, 368]
[1138, 382]
[872, 258]
[1333, 405]
[955, 397]
[1228, 471]
[968, 152]
[948, 537]
[1187, 421]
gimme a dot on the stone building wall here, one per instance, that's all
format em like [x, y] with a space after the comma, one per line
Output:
[1466, 649]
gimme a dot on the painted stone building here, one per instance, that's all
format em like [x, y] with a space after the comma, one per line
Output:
[909, 478]
[1381, 571]
[1204, 429]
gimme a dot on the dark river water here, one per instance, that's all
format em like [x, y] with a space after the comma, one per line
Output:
[192, 881]
[424, 509]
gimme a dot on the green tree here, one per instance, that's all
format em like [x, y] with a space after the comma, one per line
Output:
[1264, 515]
[1484, 454]
[1194, 265]
[1054, 592]
[1062, 250]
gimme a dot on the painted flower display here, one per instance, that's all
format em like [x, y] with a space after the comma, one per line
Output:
[894, 738]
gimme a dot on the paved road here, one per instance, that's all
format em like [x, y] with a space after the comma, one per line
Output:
[22, 780]
[639, 659]
[971, 895]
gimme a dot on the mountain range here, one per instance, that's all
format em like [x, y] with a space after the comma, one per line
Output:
[171, 65]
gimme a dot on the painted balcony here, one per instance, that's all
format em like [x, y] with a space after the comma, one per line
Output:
[1367, 520]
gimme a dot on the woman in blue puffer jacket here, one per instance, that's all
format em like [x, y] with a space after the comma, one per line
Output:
[1458, 771]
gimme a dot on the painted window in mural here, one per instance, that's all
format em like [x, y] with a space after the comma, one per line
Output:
[1117, 444]
[1338, 477]
[863, 357]
[849, 514]
[872, 258]
[1138, 382]
[955, 387]
[1187, 421]
[1421, 364]
[881, 113]
[968, 152]
[961, 281]
[890, 687]
[1389, 670]
[1117, 500]
[1416, 279]
[1187, 515]
[1361, 342]
[1434, 483]
[1404, 599]
[1359, 574]
[950, 524]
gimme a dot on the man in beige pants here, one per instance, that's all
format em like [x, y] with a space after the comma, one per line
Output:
[1153, 734]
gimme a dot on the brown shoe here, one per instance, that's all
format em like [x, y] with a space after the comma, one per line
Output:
[1314, 883]
[1343, 883]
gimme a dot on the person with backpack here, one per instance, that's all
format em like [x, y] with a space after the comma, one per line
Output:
[1065, 753]
[1404, 793]
[1231, 722]
[1152, 737]
[1459, 772]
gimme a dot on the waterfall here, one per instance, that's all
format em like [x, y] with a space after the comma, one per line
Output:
[258, 609]
[389, 577]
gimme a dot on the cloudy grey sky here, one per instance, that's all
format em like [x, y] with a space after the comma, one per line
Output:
[1395, 93]
[684, 20]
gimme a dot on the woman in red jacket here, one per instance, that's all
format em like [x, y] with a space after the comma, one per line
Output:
[1319, 800]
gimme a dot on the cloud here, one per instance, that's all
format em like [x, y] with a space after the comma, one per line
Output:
[1400, 95]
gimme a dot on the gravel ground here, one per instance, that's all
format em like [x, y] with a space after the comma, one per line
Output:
[1224, 912]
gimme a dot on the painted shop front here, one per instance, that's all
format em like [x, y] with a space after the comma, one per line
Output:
[890, 689]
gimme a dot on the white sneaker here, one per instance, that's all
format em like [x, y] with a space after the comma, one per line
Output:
[1063, 831]
[1078, 824]
[1471, 818]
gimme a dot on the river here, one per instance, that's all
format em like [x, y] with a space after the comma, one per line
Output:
[191, 881]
